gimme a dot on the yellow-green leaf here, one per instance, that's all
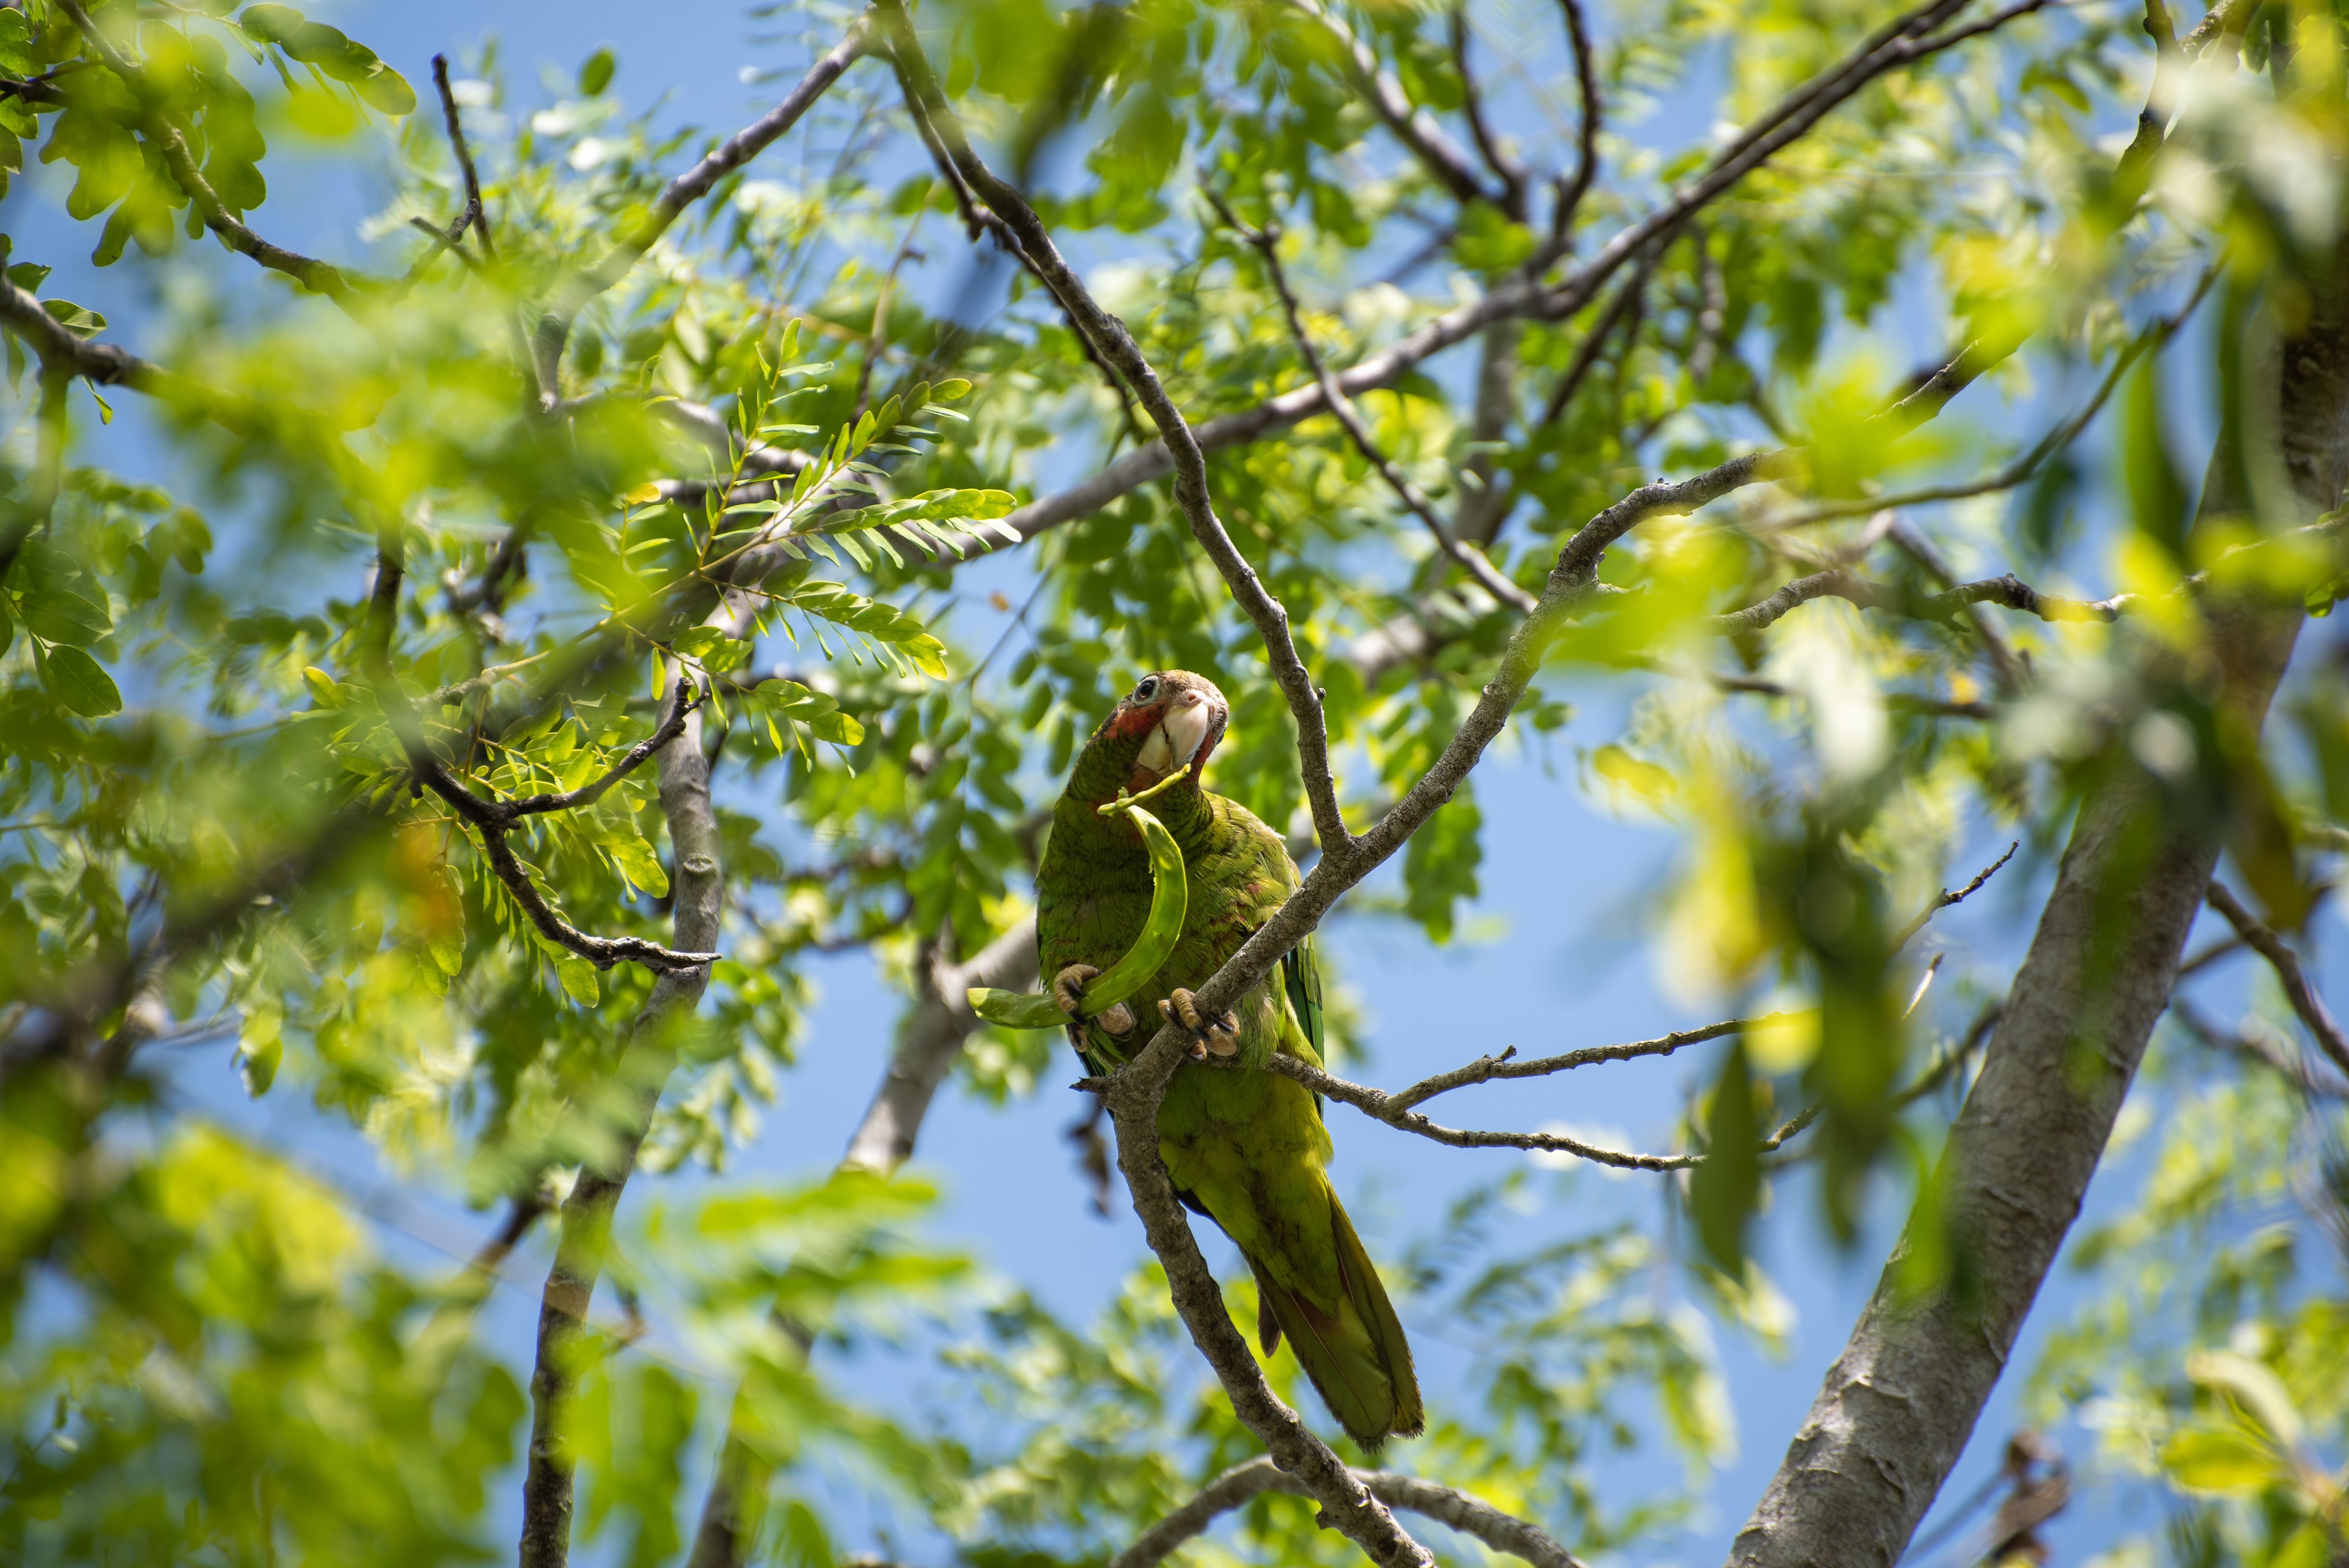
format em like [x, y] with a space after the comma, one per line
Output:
[2215, 1460]
[578, 978]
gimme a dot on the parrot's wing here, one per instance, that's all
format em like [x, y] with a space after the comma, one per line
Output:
[1300, 976]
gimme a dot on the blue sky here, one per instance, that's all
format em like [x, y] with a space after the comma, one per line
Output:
[1565, 964]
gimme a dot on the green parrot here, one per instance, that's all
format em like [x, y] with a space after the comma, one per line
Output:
[1245, 1146]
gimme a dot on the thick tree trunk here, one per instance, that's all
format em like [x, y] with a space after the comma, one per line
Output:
[1900, 1402]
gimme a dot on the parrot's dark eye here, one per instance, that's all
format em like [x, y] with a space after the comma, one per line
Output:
[1147, 690]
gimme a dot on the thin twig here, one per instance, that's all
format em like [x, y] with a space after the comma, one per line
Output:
[319, 278]
[1618, 310]
[1381, 1106]
[1505, 169]
[2009, 591]
[2275, 1054]
[681, 709]
[1267, 244]
[494, 818]
[1945, 897]
[553, 330]
[2008, 667]
[475, 213]
[1571, 190]
[1412, 126]
[2152, 338]
[1508, 1064]
[1469, 1515]
[2297, 990]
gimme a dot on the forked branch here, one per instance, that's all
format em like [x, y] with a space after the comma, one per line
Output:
[1381, 1106]
[1233, 1489]
[1267, 244]
[493, 819]
[2009, 591]
[2297, 990]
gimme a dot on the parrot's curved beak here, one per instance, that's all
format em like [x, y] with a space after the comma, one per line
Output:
[1185, 724]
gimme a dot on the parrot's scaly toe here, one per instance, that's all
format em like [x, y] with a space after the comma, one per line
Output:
[1220, 1037]
[1118, 1019]
[1069, 985]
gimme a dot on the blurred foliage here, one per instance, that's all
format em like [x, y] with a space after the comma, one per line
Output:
[762, 462]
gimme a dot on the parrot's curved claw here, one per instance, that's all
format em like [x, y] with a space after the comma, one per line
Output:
[1069, 985]
[1217, 1036]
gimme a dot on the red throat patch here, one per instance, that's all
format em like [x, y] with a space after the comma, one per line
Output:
[1135, 723]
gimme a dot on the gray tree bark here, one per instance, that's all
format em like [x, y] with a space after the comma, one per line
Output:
[699, 892]
[1901, 1400]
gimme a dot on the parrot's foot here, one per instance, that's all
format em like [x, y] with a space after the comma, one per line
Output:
[1068, 986]
[1217, 1036]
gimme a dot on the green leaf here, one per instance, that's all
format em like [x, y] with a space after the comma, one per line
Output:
[385, 91]
[880, 622]
[639, 865]
[2218, 1459]
[60, 614]
[446, 943]
[841, 729]
[1726, 1190]
[257, 1062]
[26, 275]
[270, 24]
[76, 680]
[595, 74]
[16, 44]
[79, 320]
[578, 976]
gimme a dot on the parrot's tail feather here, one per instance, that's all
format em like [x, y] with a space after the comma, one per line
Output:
[1358, 1357]
[1368, 1294]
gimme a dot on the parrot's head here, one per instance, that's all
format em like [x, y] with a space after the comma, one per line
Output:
[1169, 721]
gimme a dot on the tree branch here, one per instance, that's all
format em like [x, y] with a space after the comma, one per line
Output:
[2155, 336]
[492, 819]
[1508, 1064]
[698, 895]
[2010, 591]
[1898, 43]
[1416, 128]
[1899, 1403]
[1384, 1108]
[2262, 939]
[681, 707]
[2273, 1053]
[317, 277]
[1571, 190]
[1346, 1506]
[1234, 1488]
[1267, 244]
[928, 1045]
[932, 1037]
[1116, 345]
[1505, 169]
[2007, 667]
[475, 215]
[1945, 899]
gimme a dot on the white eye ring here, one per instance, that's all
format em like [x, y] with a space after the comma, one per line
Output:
[1147, 690]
